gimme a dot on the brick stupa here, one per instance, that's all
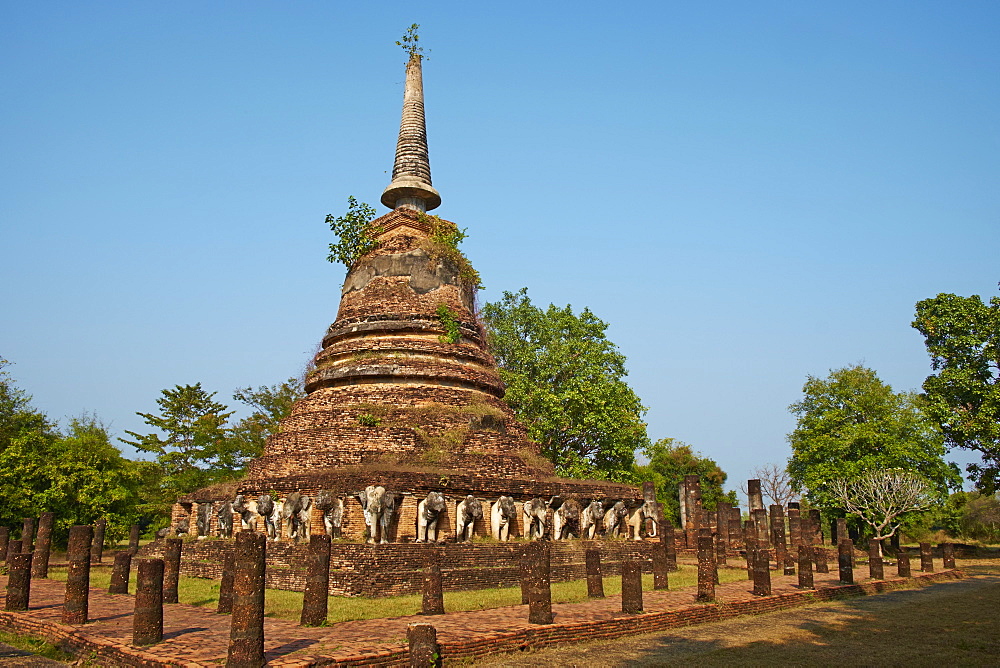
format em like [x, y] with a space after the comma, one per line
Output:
[404, 392]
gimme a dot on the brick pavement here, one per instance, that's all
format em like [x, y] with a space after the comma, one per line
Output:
[195, 636]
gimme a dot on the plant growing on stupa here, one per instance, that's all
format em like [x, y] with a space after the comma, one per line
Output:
[355, 236]
[443, 243]
[409, 42]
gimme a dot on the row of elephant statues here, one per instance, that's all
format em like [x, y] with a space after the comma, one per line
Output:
[571, 517]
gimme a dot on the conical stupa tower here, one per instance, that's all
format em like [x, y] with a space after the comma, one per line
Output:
[404, 376]
[404, 392]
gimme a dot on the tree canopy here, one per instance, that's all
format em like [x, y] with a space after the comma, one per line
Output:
[851, 422]
[271, 404]
[962, 335]
[565, 381]
[192, 443]
[669, 461]
[76, 473]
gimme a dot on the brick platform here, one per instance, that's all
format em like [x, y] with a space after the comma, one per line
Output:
[196, 636]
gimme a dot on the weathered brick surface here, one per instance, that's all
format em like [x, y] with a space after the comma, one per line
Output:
[358, 569]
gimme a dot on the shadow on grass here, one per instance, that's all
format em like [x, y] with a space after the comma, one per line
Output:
[951, 623]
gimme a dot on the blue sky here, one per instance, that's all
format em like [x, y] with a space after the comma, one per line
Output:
[747, 192]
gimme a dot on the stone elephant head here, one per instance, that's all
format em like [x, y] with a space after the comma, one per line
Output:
[534, 518]
[469, 510]
[379, 508]
[332, 508]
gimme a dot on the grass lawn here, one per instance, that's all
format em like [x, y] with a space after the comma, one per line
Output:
[288, 604]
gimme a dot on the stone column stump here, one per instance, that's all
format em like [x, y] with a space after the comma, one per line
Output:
[876, 570]
[78, 575]
[43, 546]
[845, 559]
[226, 585]
[18, 582]
[842, 533]
[28, 534]
[815, 527]
[97, 547]
[948, 552]
[133, 539]
[539, 586]
[660, 567]
[595, 578]
[13, 547]
[314, 598]
[761, 573]
[246, 636]
[668, 540]
[631, 587]
[903, 563]
[433, 600]
[926, 558]
[821, 559]
[171, 569]
[422, 641]
[147, 620]
[120, 573]
[524, 570]
[706, 569]
[805, 566]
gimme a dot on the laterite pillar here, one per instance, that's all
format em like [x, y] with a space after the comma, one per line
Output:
[171, 569]
[314, 599]
[147, 621]
[18, 582]
[595, 578]
[845, 559]
[43, 546]
[78, 575]
[120, 573]
[631, 587]
[246, 637]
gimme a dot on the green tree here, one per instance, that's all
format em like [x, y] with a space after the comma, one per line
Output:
[77, 473]
[271, 404]
[669, 461]
[193, 447]
[962, 335]
[565, 381]
[851, 422]
[355, 236]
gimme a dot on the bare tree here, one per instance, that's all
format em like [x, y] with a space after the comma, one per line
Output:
[775, 484]
[881, 497]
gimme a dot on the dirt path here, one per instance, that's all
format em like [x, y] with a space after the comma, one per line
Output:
[952, 623]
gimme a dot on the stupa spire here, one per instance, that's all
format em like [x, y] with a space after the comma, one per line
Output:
[411, 173]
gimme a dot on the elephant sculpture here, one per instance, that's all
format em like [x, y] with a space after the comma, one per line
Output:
[247, 510]
[592, 520]
[614, 519]
[644, 519]
[379, 507]
[295, 516]
[566, 520]
[533, 513]
[469, 510]
[428, 513]
[332, 508]
[270, 511]
[204, 519]
[502, 515]
[225, 515]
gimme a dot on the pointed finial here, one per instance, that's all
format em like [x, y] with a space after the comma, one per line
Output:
[411, 174]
